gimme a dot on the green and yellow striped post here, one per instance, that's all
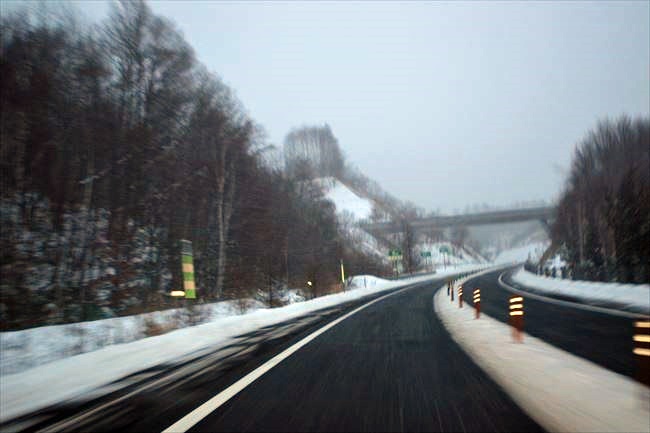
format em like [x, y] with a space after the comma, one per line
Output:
[188, 269]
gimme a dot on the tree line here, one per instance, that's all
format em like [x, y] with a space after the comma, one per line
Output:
[115, 144]
[603, 216]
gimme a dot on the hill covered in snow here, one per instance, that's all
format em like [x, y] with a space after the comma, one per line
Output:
[352, 208]
[532, 251]
[346, 200]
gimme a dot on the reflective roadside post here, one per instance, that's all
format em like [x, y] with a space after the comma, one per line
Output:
[517, 318]
[642, 350]
[451, 288]
[477, 302]
[187, 261]
[460, 296]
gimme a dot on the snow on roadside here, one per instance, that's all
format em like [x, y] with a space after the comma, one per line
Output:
[630, 295]
[74, 376]
[21, 350]
[560, 391]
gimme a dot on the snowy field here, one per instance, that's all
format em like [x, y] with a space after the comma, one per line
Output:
[560, 391]
[73, 376]
[636, 296]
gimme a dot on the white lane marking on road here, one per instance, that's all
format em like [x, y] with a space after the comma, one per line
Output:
[568, 303]
[192, 418]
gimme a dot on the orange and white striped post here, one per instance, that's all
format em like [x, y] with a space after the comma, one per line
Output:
[460, 296]
[517, 318]
[477, 302]
[642, 350]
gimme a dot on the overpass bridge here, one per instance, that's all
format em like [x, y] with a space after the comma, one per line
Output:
[544, 214]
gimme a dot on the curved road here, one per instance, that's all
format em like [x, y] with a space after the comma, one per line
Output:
[599, 337]
[389, 367]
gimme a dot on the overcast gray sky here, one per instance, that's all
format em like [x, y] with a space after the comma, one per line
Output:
[444, 104]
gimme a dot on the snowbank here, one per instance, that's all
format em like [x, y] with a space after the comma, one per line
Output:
[560, 391]
[365, 281]
[636, 296]
[21, 350]
[74, 376]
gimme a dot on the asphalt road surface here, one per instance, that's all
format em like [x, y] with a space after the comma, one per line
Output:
[599, 337]
[389, 367]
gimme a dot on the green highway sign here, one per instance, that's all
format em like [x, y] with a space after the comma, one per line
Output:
[395, 254]
[445, 249]
[425, 253]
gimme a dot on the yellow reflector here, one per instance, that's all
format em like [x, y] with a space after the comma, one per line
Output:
[642, 352]
[642, 338]
[477, 291]
[517, 299]
[642, 324]
[177, 293]
[516, 313]
[516, 306]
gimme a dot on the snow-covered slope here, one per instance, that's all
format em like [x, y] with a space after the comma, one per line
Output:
[352, 208]
[345, 199]
[533, 251]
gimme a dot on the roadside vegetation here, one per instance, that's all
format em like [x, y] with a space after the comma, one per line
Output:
[603, 216]
[116, 143]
